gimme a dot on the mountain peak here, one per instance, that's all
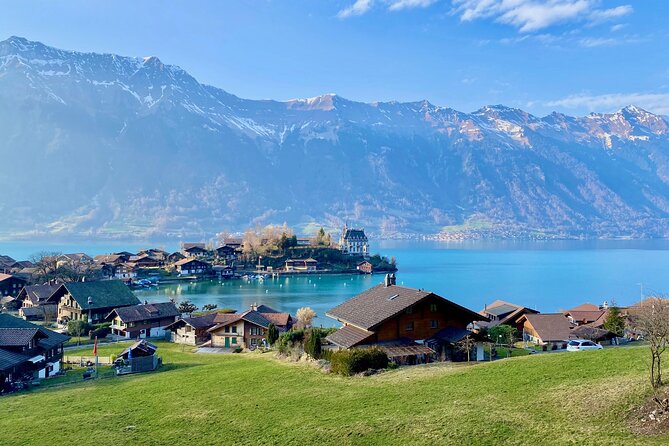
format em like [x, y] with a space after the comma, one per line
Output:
[325, 102]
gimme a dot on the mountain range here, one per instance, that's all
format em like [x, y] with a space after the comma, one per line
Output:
[100, 145]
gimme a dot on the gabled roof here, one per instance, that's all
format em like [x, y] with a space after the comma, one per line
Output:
[550, 326]
[6, 260]
[204, 321]
[278, 319]
[265, 309]
[103, 293]
[41, 311]
[107, 258]
[354, 234]
[17, 337]
[39, 294]
[585, 317]
[50, 339]
[592, 333]
[142, 347]
[377, 304]
[349, 336]
[9, 359]
[585, 307]
[4, 276]
[189, 260]
[143, 312]
[78, 256]
[194, 247]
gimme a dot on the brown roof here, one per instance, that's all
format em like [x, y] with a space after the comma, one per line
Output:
[592, 333]
[585, 317]
[278, 319]
[189, 260]
[348, 336]
[226, 318]
[369, 308]
[550, 326]
[204, 321]
[585, 307]
[142, 312]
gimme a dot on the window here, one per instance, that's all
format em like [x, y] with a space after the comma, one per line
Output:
[234, 340]
[433, 308]
[227, 329]
[434, 323]
[409, 326]
[234, 329]
[409, 310]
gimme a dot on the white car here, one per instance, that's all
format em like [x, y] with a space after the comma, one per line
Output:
[578, 345]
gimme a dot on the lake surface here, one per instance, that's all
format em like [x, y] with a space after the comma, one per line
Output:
[546, 275]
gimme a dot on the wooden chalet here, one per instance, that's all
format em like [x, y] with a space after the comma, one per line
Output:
[248, 329]
[227, 253]
[196, 250]
[191, 266]
[28, 350]
[504, 313]
[547, 329]
[302, 265]
[11, 285]
[402, 321]
[365, 267]
[145, 261]
[192, 330]
[93, 301]
[142, 321]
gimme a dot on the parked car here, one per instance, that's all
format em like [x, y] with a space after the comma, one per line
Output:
[578, 345]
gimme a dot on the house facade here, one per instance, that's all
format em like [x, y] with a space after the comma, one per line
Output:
[301, 265]
[190, 266]
[195, 250]
[365, 267]
[142, 321]
[401, 321]
[226, 253]
[93, 301]
[192, 330]
[354, 242]
[248, 329]
[11, 285]
[547, 329]
[501, 312]
[28, 349]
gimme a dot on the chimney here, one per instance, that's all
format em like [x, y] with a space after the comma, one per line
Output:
[386, 280]
[254, 306]
[393, 280]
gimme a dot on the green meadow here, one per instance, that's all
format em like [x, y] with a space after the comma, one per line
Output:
[256, 399]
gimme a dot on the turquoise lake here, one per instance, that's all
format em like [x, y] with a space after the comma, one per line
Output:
[548, 276]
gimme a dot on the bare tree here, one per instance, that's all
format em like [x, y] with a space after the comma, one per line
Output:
[651, 319]
[306, 316]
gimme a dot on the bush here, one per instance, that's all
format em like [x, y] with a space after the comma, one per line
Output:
[313, 344]
[350, 362]
[78, 328]
[101, 332]
[237, 350]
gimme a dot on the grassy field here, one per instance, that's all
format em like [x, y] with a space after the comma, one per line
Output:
[553, 399]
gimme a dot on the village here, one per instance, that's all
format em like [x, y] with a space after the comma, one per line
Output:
[385, 326]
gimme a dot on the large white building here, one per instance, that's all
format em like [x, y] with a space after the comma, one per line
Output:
[354, 242]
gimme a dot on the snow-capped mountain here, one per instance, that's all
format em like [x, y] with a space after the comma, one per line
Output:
[112, 146]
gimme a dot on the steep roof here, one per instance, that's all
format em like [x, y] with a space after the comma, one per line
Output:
[585, 317]
[10, 359]
[585, 307]
[204, 321]
[38, 294]
[194, 246]
[188, 260]
[349, 336]
[48, 341]
[104, 294]
[355, 234]
[146, 312]
[369, 308]
[278, 319]
[4, 276]
[550, 326]
[17, 337]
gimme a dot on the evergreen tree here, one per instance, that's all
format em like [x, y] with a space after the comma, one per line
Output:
[614, 321]
[313, 345]
[272, 334]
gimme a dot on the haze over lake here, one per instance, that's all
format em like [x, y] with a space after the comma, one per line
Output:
[546, 275]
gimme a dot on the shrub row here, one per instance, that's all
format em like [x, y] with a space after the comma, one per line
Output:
[350, 362]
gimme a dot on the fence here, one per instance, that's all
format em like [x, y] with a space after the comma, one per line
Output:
[86, 360]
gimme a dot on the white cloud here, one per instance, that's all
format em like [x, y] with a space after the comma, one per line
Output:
[618, 27]
[653, 102]
[358, 8]
[397, 5]
[593, 42]
[533, 15]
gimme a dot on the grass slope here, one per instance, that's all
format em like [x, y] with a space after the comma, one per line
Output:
[553, 399]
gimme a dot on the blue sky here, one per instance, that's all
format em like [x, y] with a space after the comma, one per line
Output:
[574, 56]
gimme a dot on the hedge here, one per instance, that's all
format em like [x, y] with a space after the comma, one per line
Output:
[350, 362]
